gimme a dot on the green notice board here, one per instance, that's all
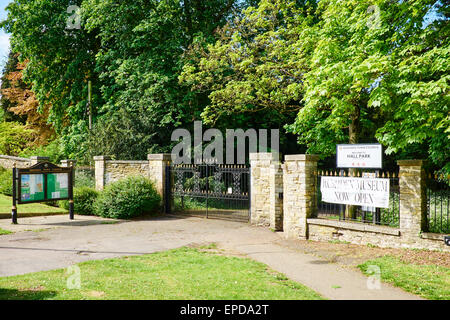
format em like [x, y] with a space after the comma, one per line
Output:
[32, 187]
[57, 186]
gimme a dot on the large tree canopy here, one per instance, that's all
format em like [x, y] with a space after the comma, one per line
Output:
[329, 71]
[356, 71]
[131, 51]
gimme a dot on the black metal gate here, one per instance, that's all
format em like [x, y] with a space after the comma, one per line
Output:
[209, 190]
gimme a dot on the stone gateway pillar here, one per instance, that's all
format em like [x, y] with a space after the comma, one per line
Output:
[100, 166]
[263, 206]
[300, 198]
[413, 200]
[157, 164]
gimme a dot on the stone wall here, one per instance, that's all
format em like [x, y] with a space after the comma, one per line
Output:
[364, 234]
[7, 162]
[117, 170]
[108, 171]
[284, 198]
[299, 202]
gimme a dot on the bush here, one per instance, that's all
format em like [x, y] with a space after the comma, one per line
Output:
[84, 179]
[14, 137]
[6, 181]
[127, 198]
[84, 199]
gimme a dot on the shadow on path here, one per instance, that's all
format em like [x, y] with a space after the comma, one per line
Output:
[77, 251]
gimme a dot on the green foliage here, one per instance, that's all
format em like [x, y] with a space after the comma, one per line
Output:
[328, 71]
[212, 184]
[53, 150]
[115, 134]
[59, 60]
[127, 198]
[132, 51]
[354, 71]
[84, 178]
[84, 199]
[5, 181]
[14, 137]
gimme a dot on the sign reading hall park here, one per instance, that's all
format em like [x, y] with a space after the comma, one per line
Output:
[356, 191]
[359, 156]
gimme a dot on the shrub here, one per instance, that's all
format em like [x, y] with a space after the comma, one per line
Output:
[84, 179]
[84, 199]
[127, 198]
[6, 181]
[14, 137]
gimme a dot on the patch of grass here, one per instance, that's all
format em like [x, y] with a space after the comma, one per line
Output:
[184, 273]
[336, 287]
[428, 281]
[4, 232]
[109, 222]
[6, 203]
[338, 242]
[39, 230]
[210, 246]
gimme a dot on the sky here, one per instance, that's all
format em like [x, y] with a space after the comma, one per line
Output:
[4, 38]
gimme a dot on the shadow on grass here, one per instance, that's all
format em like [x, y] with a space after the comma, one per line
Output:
[37, 294]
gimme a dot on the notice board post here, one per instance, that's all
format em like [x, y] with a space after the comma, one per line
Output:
[14, 191]
[42, 182]
[70, 178]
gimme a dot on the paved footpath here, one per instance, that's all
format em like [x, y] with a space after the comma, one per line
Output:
[46, 243]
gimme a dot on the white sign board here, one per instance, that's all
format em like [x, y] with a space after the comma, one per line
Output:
[368, 175]
[359, 156]
[356, 191]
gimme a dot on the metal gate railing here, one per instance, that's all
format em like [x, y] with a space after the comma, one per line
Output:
[209, 190]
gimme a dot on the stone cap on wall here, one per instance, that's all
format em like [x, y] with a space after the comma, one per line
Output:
[127, 161]
[14, 158]
[301, 157]
[68, 161]
[102, 158]
[39, 159]
[160, 157]
[410, 163]
[263, 156]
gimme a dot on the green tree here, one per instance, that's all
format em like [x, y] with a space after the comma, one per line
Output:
[142, 55]
[60, 61]
[355, 71]
[253, 73]
[372, 70]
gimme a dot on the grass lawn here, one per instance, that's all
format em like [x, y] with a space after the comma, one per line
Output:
[6, 204]
[427, 281]
[3, 232]
[184, 273]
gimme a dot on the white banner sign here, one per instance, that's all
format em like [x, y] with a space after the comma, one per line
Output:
[359, 156]
[356, 191]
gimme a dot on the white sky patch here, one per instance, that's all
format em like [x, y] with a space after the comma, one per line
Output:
[4, 50]
[4, 43]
